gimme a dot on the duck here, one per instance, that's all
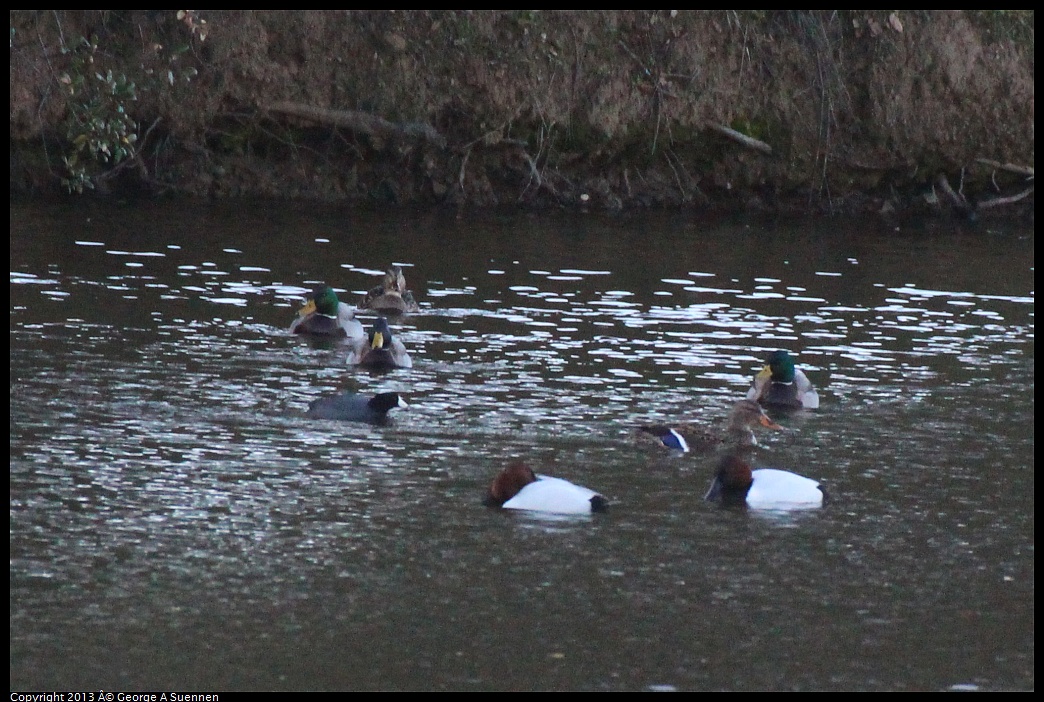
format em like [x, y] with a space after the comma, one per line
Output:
[766, 488]
[325, 316]
[780, 384]
[354, 407]
[380, 350]
[518, 487]
[391, 296]
[737, 432]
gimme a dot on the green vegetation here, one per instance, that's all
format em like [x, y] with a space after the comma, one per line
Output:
[101, 74]
[98, 127]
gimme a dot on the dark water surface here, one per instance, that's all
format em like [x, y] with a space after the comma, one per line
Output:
[176, 523]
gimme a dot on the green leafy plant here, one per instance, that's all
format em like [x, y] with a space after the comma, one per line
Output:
[99, 128]
[101, 134]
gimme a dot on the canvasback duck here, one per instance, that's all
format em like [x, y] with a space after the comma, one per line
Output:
[780, 384]
[738, 431]
[518, 487]
[765, 488]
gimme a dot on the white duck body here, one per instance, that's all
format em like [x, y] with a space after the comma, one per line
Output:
[779, 489]
[556, 495]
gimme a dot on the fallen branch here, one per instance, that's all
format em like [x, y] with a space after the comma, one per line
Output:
[361, 122]
[749, 142]
[873, 167]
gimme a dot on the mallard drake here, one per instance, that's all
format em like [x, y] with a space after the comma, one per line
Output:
[379, 351]
[518, 487]
[325, 316]
[391, 296]
[737, 432]
[352, 407]
[780, 384]
[766, 488]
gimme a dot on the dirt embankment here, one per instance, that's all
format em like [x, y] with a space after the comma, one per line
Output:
[849, 111]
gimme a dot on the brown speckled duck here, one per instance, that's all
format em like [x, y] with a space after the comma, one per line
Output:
[391, 296]
[738, 431]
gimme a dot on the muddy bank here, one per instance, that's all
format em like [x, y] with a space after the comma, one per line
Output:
[837, 112]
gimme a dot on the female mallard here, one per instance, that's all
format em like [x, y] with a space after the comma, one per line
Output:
[518, 487]
[325, 316]
[766, 488]
[380, 351]
[391, 296]
[780, 384]
[737, 432]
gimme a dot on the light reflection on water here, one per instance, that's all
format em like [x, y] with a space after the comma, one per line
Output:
[168, 496]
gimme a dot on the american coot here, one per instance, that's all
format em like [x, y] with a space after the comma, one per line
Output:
[353, 407]
[738, 431]
[391, 296]
[780, 384]
[380, 351]
[325, 316]
[765, 488]
[518, 487]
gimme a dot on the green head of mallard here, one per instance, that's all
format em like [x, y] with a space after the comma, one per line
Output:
[323, 300]
[780, 367]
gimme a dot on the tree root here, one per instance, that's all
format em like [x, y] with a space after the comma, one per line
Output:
[1009, 167]
[961, 203]
[998, 201]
